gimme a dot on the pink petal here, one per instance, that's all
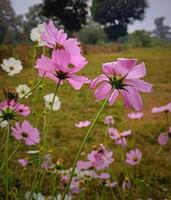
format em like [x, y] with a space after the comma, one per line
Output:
[113, 97]
[132, 98]
[138, 71]
[140, 85]
[77, 81]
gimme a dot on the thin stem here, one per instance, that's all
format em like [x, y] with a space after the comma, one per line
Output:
[12, 154]
[33, 88]
[82, 146]
[46, 127]
[34, 55]
[48, 121]
[6, 160]
[167, 120]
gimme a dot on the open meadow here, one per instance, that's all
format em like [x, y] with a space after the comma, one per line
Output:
[150, 179]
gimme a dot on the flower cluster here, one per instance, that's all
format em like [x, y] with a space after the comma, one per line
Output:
[66, 58]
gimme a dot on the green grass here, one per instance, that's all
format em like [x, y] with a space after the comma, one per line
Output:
[64, 138]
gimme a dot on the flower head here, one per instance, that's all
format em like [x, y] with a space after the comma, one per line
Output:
[49, 99]
[59, 41]
[133, 157]
[12, 66]
[9, 109]
[100, 158]
[119, 137]
[166, 108]
[23, 162]
[163, 138]
[35, 34]
[82, 124]
[58, 69]
[22, 90]
[137, 115]
[26, 133]
[109, 120]
[122, 77]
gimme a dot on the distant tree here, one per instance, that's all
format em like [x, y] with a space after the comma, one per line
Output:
[10, 24]
[140, 38]
[115, 15]
[162, 31]
[92, 33]
[70, 13]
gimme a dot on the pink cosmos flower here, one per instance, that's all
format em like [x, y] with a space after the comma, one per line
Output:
[119, 137]
[109, 120]
[133, 157]
[23, 162]
[83, 124]
[163, 138]
[104, 176]
[166, 108]
[137, 115]
[26, 133]
[8, 109]
[122, 77]
[98, 159]
[57, 40]
[57, 68]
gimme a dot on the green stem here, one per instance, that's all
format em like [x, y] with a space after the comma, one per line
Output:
[6, 161]
[12, 154]
[34, 55]
[167, 120]
[46, 127]
[33, 88]
[82, 146]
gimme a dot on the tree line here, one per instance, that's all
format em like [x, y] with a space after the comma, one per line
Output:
[108, 18]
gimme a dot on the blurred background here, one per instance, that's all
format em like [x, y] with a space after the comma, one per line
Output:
[134, 23]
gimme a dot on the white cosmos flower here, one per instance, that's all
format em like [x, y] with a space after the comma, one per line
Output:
[12, 66]
[48, 102]
[35, 34]
[22, 90]
[34, 196]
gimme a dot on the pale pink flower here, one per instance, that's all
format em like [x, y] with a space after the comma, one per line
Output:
[104, 176]
[9, 109]
[82, 124]
[109, 120]
[163, 138]
[100, 158]
[47, 163]
[23, 162]
[166, 108]
[83, 165]
[119, 137]
[126, 184]
[137, 115]
[57, 68]
[122, 77]
[58, 40]
[26, 133]
[133, 157]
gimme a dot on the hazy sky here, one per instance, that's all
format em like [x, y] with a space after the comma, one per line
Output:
[157, 8]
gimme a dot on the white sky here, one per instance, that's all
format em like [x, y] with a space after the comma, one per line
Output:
[158, 8]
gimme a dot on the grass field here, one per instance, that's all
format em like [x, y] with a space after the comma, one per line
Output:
[64, 138]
